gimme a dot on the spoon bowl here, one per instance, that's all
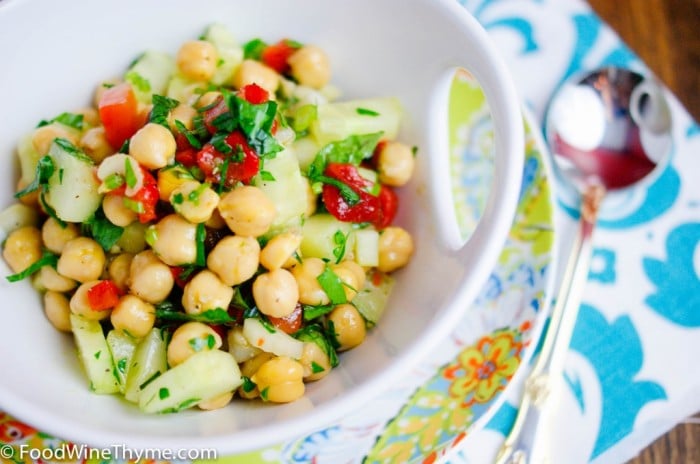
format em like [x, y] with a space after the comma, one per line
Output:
[608, 130]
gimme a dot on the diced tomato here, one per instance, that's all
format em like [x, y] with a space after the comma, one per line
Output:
[211, 161]
[254, 94]
[277, 55]
[177, 271]
[289, 323]
[378, 210]
[214, 112]
[103, 296]
[148, 196]
[187, 157]
[120, 114]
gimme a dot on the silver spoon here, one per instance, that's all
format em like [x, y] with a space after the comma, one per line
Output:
[608, 130]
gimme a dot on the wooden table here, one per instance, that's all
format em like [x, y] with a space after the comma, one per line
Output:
[666, 35]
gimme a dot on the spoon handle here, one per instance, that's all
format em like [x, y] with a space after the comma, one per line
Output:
[525, 443]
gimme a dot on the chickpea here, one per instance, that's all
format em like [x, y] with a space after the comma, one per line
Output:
[197, 60]
[217, 402]
[348, 277]
[395, 164]
[116, 212]
[279, 380]
[204, 292]
[349, 326]
[175, 241]
[80, 305]
[395, 249]
[254, 72]
[43, 137]
[234, 259]
[94, 143]
[279, 250]
[183, 113]
[153, 146]
[55, 236]
[57, 310]
[276, 293]
[215, 221]
[51, 280]
[119, 270]
[149, 278]
[133, 239]
[190, 338]
[194, 201]
[83, 259]
[310, 291]
[30, 199]
[310, 66]
[247, 211]
[359, 272]
[250, 367]
[171, 178]
[90, 115]
[133, 316]
[22, 248]
[209, 98]
[315, 362]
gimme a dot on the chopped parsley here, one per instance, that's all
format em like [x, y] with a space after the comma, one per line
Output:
[200, 237]
[267, 176]
[248, 385]
[161, 109]
[47, 259]
[366, 112]
[139, 82]
[200, 343]
[316, 367]
[76, 121]
[211, 316]
[44, 170]
[264, 392]
[163, 393]
[191, 136]
[154, 376]
[340, 240]
[332, 286]
[72, 150]
[253, 49]
[314, 333]
[312, 312]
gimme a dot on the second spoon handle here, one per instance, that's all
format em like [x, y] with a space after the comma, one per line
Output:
[550, 364]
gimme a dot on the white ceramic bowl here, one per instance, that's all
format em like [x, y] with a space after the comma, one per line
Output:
[54, 53]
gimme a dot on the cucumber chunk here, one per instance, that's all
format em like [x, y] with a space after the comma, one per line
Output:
[325, 237]
[150, 74]
[367, 247]
[95, 355]
[122, 347]
[372, 299]
[287, 191]
[202, 376]
[276, 341]
[148, 362]
[230, 53]
[72, 191]
[336, 121]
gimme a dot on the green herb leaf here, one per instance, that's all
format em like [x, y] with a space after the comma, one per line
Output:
[129, 174]
[72, 150]
[212, 316]
[102, 230]
[161, 109]
[200, 237]
[178, 199]
[191, 136]
[340, 239]
[332, 285]
[44, 171]
[121, 365]
[76, 121]
[255, 121]
[253, 49]
[264, 392]
[316, 367]
[218, 141]
[163, 393]
[312, 312]
[155, 375]
[47, 259]
[200, 343]
[184, 405]
[366, 112]
[139, 82]
[348, 194]
[353, 149]
[267, 176]
[314, 333]
[248, 385]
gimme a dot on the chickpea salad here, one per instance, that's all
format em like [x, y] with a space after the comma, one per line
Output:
[217, 224]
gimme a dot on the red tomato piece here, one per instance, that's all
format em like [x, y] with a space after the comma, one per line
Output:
[254, 94]
[148, 196]
[289, 323]
[277, 55]
[103, 296]
[211, 161]
[388, 204]
[187, 157]
[120, 114]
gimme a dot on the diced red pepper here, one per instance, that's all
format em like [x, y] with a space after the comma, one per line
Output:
[277, 56]
[289, 323]
[120, 114]
[103, 296]
[214, 112]
[254, 94]
[211, 161]
[388, 205]
[187, 157]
